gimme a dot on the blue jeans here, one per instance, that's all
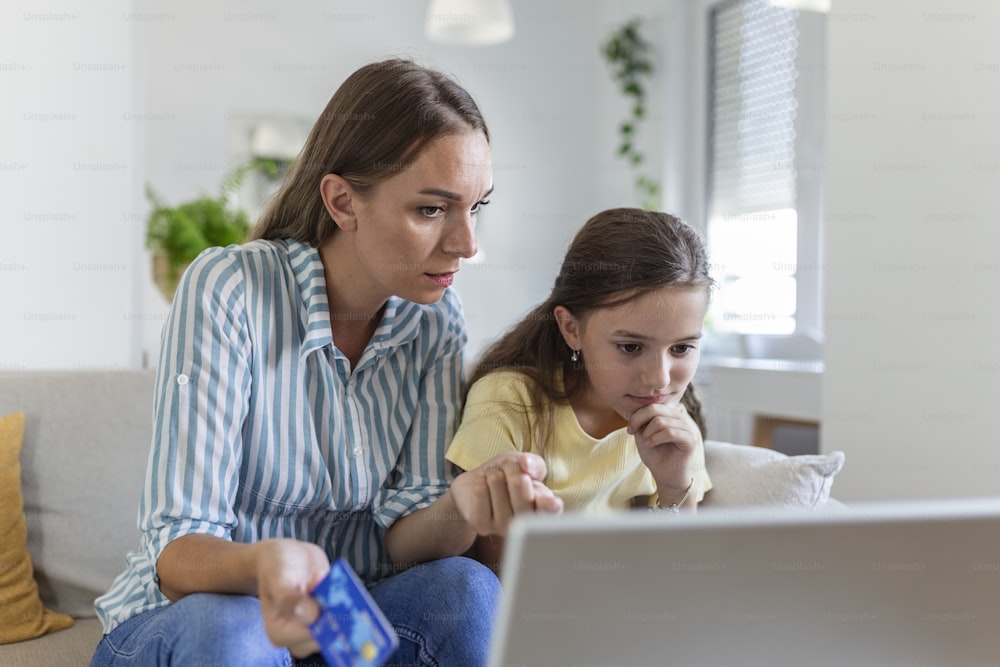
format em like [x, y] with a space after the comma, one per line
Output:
[442, 610]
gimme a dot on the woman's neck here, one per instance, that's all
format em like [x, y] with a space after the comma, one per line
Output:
[355, 310]
[352, 337]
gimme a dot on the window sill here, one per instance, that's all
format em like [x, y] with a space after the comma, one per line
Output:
[780, 388]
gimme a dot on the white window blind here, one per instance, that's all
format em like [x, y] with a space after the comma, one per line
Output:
[753, 108]
[752, 176]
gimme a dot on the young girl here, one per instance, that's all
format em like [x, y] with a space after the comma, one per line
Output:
[596, 380]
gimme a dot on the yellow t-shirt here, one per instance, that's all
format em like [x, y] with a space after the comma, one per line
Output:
[589, 474]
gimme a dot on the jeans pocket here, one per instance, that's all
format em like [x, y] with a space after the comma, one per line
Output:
[125, 641]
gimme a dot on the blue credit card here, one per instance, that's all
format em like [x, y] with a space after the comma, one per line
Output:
[351, 629]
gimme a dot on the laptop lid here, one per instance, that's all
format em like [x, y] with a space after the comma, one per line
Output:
[914, 583]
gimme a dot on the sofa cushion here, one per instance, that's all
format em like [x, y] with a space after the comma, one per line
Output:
[747, 475]
[69, 647]
[22, 615]
[86, 442]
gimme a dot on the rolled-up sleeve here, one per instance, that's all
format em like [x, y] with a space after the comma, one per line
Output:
[200, 404]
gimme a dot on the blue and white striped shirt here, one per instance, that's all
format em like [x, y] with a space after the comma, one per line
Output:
[261, 430]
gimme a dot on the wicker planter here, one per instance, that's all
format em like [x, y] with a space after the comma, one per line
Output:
[166, 275]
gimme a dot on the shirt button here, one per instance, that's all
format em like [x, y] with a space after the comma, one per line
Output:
[357, 451]
[182, 379]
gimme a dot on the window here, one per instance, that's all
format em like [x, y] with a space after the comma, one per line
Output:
[753, 259]
[763, 210]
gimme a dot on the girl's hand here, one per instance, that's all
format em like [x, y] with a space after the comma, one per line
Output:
[666, 441]
[286, 571]
[489, 496]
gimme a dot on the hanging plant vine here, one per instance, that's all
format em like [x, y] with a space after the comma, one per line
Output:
[627, 53]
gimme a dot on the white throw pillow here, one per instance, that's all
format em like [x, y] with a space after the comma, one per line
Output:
[745, 475]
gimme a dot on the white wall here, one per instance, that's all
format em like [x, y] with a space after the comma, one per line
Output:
[173, 79]
[68, 238]
[913, 248]
[544, 95]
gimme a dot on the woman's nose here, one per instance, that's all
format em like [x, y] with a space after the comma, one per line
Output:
[461, 238]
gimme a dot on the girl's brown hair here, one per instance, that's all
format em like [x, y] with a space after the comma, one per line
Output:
[615, 257]
[372, 128]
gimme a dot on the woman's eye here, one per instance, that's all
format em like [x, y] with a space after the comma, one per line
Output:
[629, 348]
[479, 206]
[431, 211]
[682, 349]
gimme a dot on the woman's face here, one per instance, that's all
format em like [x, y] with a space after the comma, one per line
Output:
[413, 228]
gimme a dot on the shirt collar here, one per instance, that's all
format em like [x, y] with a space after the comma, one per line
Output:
[400, 321]
[315, 308]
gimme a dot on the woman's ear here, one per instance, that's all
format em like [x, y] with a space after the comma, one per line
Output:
[569, 326]
[338, 197]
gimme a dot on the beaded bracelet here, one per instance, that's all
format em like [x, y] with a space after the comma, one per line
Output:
[673, 508]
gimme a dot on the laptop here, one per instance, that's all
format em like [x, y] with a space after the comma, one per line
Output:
[889, 584]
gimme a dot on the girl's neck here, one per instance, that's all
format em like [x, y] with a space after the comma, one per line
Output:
[596, 420]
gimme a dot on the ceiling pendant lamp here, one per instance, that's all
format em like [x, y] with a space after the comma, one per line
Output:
[469, 22]
[821, 6]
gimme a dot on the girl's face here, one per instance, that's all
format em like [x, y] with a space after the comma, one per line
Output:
[413, 228]
[642, 352]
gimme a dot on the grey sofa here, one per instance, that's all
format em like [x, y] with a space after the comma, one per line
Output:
[86, 441]
[83, 458]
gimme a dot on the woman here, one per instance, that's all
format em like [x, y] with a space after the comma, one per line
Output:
[308, 384]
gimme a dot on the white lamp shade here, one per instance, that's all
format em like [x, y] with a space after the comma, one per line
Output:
[822, 6]
[469, 22]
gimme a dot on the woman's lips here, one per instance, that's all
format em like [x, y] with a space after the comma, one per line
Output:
[441, 279]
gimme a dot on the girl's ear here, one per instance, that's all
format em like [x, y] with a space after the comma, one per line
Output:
[338, 198]
[569, 326]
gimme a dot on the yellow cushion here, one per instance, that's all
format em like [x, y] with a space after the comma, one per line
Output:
[22, 615]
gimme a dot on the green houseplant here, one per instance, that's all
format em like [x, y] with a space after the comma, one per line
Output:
[627, 54]
[178, 234]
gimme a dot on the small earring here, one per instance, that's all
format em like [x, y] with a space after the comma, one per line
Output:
[575, 357]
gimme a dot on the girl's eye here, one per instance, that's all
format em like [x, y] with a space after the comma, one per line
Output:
[431, 211]
[682, 349]
[629, 348]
